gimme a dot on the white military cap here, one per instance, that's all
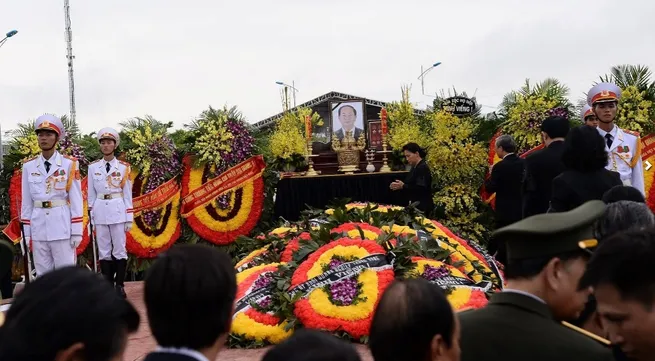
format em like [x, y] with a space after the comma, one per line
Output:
[586, 111]
[109, 133]
[603, 93]
[50, 122]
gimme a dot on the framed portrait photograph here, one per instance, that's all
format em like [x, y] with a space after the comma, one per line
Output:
[347, 116]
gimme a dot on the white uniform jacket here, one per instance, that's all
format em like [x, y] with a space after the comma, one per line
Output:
[110, 193]
[625, 157]
[51, 207]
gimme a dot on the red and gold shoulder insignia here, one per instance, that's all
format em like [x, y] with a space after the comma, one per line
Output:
[30, 159]
[631, 132]
[124, 163]
[70, 157]
[95, 161]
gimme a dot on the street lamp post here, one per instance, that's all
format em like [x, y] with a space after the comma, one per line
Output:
[423, 72]
[8, 35]
[292, 86]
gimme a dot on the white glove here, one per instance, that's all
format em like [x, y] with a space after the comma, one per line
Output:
[75, 241]
[128, 226]
[22, 246]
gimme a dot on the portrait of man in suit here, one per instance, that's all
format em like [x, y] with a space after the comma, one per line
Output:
[348, 118]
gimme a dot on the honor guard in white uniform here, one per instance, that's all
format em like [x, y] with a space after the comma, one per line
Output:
[51, 206]
[623, 146]
[588, 116]
[110, 204]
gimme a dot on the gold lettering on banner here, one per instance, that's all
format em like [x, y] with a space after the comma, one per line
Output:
[156, 198]
[223, 183]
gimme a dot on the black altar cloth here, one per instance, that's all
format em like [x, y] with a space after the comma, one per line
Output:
[296, 193]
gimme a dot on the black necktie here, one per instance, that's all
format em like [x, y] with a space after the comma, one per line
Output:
[107, 166]
[609, 140]
[47, 166]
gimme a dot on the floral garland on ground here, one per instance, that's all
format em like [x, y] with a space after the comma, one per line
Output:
[155, 166]
[253, 319]
[460, 290]
[222, 145]
[347, 304]
[335, 268]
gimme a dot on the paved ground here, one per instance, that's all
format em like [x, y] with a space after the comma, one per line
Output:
[142, 342]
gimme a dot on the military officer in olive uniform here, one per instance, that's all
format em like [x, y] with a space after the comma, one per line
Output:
[623, 146]
[51, 204]
[110, 204]
[547, 256]
[588, 116]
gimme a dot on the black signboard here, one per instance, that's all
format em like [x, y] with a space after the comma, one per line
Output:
[458, 105]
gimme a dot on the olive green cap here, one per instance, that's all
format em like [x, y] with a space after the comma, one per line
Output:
[551, 234]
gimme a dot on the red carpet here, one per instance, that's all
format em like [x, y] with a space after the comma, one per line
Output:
[142, 342]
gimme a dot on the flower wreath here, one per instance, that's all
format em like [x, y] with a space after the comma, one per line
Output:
[253, 319]
[293, 246]
[461, 291]
[352, 230]
[230, 215]
[334, 302]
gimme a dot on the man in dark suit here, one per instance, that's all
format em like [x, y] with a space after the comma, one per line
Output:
[544, 165]
[505, 180]
[418, 183]
[547, 255]
[348, 120]
[189, 294]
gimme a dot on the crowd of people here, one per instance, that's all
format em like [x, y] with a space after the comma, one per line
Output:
[575, 236]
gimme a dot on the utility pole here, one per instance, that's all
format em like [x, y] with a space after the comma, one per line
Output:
[70, 57]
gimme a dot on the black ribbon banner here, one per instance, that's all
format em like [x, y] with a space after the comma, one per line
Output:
[254, 296]
[345, 270]
[490, 261]
[454, 281]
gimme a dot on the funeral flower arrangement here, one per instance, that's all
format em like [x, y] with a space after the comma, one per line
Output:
[635, 112]
[155, 165]
[329, 270]
[221, 144]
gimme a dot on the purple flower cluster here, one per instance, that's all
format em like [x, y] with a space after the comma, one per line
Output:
[165, 163]
[263, 281]
[558, 112]
[433, 273]
[242, 147]
[344, 292]
[533, 119]
[74, 150]
[265, 303]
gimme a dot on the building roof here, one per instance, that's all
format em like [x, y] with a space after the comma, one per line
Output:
[321, 99]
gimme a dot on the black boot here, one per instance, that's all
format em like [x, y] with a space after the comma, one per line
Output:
[121, 266]
[112, 270]
[106, 270]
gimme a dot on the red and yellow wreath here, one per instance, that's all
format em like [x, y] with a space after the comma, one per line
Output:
[348, 278]
[462, 292]
[360, 205]
[252, 259]
[234, 211]
[293, 246]
[488, 266]
[253, 318]
[147, 239]
[352, 230]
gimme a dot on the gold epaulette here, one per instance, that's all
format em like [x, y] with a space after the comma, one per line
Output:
[594, 337]
[95, 161]
[631, 132]
[30, 159]
[124, 163]
[69, 157]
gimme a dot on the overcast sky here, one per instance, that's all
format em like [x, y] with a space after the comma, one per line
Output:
[172, 59]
